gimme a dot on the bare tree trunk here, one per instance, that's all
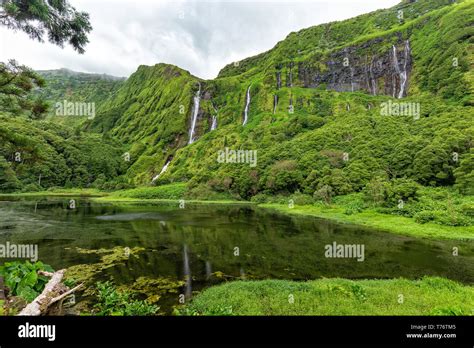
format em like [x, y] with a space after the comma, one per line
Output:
[44, 300]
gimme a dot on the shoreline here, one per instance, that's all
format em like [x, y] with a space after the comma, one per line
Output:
[385, 222]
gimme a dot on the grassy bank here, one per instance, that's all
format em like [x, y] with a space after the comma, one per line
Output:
[58, 192]
[390, 223]
[429, 296]
[344, 209]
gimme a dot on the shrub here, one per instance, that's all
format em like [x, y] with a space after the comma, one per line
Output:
[325, 194]
[260, 198]
[113, 302]
[302, 199]
[171, 191]
[424, 216]
[31, 188]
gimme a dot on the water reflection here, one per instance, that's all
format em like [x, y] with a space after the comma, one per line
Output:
[204, 237]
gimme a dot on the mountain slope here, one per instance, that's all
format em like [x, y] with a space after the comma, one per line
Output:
[381, 97]
[71, 86]
[317, 95]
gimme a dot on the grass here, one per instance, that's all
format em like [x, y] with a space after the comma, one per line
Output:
[390, 223]
[170, 191]
[58, 192]
[429, 296]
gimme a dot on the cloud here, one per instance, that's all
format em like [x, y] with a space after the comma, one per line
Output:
[199, 36]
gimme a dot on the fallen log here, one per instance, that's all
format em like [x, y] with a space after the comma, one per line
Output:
[44, 300]
[67, 293]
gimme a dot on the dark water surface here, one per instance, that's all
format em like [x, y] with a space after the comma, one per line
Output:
[199, 243]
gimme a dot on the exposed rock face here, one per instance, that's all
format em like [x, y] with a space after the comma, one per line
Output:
[289, 74]
[347, 70]
[278, 79]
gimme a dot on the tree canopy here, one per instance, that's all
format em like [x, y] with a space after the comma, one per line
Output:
[56, 19]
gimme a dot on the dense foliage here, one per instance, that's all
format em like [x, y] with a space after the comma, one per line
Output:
[318, 142]
[22, 278]
[56, 19]
[113, 302]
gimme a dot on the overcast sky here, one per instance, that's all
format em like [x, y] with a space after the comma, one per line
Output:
[196, 35]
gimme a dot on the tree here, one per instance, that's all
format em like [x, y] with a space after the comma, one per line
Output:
[465, 174]
[56, 18]
[8, 179]
[16, 83]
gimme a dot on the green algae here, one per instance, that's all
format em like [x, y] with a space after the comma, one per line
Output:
[153, 288]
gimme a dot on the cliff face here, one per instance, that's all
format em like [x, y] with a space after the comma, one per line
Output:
[347, 70]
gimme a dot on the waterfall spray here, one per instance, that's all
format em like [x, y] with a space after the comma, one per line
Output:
[165, 167]
[214, 123]
[247, 105]
[404, 73]
[197, 100]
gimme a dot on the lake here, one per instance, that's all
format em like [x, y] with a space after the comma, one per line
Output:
[206, 244]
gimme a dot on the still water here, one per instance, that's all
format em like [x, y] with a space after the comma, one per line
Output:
[205, 244]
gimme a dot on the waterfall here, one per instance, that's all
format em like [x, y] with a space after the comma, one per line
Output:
[275, 103]
[404, 73]
[374, 85]
[197, 100]
[278, 77]
[165, 167]
[187, 273]
[352, 79]
[396, 66]
[214, 123]
[247, 105]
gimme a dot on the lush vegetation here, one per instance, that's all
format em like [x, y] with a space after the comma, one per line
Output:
[22, 278]
[110, 301]
[39, 155]
[320, 149]
[64, 84]
[429, 296]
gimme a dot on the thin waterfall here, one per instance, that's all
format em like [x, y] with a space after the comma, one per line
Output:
[197, 101]
[247, 105]
[275, 103]
[214, 123]
[374, 85]
[165, 167]
[214, 118]
[352, 79]
[397, 69]
[404, 73]
[187, 273]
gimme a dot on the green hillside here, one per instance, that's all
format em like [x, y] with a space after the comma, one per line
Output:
[317, 120]
[64, 84]
[323, 109]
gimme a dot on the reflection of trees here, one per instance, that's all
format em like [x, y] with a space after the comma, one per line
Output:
[271, 245]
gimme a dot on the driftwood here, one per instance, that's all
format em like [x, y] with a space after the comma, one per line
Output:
[52, 293]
